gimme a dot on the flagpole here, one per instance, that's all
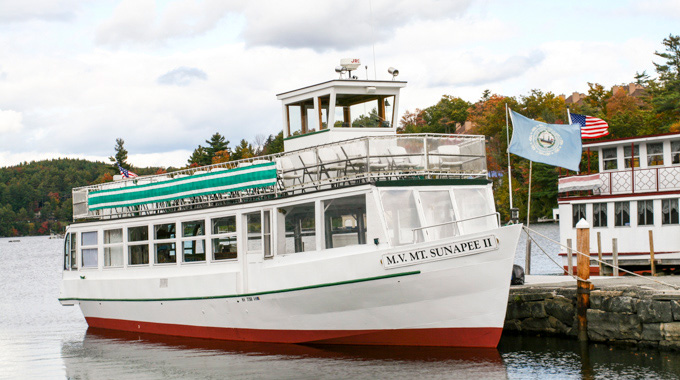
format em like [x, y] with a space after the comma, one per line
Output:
[507, 136]
[527, 258]
[569, 116]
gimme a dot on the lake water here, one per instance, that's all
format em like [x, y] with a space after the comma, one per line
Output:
[40, 339]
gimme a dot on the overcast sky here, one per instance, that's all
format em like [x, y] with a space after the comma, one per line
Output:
[166, 75]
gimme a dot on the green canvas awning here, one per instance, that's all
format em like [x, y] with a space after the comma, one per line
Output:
[214, 182]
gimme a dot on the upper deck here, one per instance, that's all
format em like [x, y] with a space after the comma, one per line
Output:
[316, 168]
[630, 166]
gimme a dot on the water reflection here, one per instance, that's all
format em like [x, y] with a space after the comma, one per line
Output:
[109, 354]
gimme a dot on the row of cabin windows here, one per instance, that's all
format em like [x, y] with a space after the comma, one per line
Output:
[670, 213]
[345, 225]
[631, 155]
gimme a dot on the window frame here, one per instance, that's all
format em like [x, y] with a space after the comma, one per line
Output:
[643, 219]
[668, 221]
[600, 212]
[129, 244]
[606, 160]
[635, 156]
[582, 213]
[82, 247]
[675, 154]
[658, 155]
[223, 235]
[621, 222]
[159, 242]
[191, 238]
[120, 244]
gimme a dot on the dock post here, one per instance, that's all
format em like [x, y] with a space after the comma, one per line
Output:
[615, 257]
[599, 252]
[570, 259]
[651, 252]
[583, 273]
[527, 259]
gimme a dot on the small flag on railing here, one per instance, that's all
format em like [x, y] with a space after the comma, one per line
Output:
[591, 127]
[124, 172]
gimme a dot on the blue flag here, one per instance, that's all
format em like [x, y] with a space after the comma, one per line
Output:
[552, 144]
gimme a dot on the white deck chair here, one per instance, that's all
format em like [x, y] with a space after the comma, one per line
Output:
[449, 156]
[401, 159]
[288, 171]
[309, 164]
[330, 161]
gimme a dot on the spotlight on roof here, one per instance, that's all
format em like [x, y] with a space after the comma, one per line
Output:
[394, 72]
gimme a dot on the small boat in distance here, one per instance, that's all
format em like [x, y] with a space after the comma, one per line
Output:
[353, 235]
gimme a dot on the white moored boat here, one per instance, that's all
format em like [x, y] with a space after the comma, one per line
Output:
[354, 235]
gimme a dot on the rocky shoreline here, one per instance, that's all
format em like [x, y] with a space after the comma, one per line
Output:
[628, 311]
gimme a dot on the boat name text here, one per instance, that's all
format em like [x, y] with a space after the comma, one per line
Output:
[457, 249]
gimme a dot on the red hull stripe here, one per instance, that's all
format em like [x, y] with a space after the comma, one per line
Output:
[487, 337]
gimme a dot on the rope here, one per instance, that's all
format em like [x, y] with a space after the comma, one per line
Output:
[598, 260]
[551, 259]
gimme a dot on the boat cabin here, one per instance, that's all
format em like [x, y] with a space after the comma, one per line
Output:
[636, 190]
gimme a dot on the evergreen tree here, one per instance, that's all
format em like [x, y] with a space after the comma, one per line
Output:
[120, 156]
[199, 157]
[665, 90]
[215, 144]
[243, 150]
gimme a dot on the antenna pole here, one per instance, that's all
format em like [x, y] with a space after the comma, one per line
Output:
[507, 135]
[375, 72]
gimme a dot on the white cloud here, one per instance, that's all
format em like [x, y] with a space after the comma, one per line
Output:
[10, 121]
[51, 10]
[182, 76]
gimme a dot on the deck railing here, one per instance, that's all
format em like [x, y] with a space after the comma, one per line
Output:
[662, 178]
[344, 163]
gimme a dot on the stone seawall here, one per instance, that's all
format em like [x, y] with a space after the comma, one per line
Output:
[632, 313]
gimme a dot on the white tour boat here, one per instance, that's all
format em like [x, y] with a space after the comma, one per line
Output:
[354, 235]
[635, 191]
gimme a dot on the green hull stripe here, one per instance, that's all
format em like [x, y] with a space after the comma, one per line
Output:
[209, 183]
[244, 295]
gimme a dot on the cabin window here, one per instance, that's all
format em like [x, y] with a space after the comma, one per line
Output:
[138, 245]
[166, 251]
[70, 261]
[634, 158]
[438, 210]
[578, 213]
[300, 116]
[401, 216]
[645, 213]
[224, 238]
[609, 159]
[362, 111]
[345, 221]
[254, 226]
[622, 214]
[599, 215]
[477, 206]
[655, 154]
[89, 251]
[113, 248]
[675, 151]
[193, 249]
[267, 233]
[300, 228]
[324, 102]
[669, 211]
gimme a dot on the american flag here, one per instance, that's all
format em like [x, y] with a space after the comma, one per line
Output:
[591, 127]
[125, 173]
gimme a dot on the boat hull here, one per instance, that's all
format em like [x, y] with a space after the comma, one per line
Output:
[452, 301]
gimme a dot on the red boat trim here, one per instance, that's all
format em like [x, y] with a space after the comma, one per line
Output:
[245, 294]
[445, 337]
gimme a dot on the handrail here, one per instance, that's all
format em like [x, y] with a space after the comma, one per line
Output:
[498, 219]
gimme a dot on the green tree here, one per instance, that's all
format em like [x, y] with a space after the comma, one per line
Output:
[443, 116]
[665, 90]
[243, 150]
[200, 157]
[120, 156]
[273, 144]
[216, 143]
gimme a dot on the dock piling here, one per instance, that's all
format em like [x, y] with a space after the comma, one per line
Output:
[651, 252]
[599, 252]
[570, 259]
[615, 257]
[583, 273]
[527, 259]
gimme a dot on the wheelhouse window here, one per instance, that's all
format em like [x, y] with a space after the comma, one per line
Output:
[669, 211]
[363, 111]
[138, 245]
[224, 238]
[166, 250]
[345, 221]
[578, 212]
[88, 249]
[193, 245]
[675, 152]
[300, 228]
[300, 117]
[599, 215]
[113, 248]
[438, 210]
[654, 154]
[609, 159]
[645, 213]
[634, 159]
[622, 214]
[401, 215]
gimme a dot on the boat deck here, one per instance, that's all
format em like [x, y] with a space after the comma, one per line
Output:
[340, 164]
